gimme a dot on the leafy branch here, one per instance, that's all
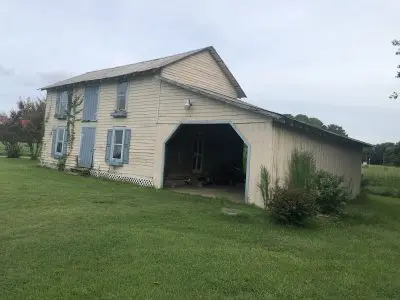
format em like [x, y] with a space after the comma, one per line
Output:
[396, 43]
[74, 109]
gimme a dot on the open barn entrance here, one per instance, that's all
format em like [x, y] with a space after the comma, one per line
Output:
[206, 159]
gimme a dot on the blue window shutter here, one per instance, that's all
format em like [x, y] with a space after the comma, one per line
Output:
[90, 103]
[53, 143]
[65, 145]
[127, 143]
[58, 103]
[108, 145]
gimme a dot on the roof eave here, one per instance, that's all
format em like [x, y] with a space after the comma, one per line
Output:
[62, 86]
[276, 117]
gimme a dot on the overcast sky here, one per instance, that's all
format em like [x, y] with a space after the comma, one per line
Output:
[330, 59]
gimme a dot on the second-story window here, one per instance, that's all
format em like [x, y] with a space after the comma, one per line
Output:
[121, 95]
[62, 104]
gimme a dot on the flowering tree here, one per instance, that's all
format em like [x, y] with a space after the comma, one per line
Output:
[24, 125]
[31, 121]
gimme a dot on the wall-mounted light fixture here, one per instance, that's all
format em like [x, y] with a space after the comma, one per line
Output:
[188, 104]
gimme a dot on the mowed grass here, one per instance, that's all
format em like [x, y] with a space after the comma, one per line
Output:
[70, 237]
[382, 180]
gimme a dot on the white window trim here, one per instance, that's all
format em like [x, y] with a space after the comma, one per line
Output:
[58, 129]
[117, 160]
[126, 96]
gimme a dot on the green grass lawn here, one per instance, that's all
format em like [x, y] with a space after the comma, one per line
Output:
[383, 180]
[70, 237]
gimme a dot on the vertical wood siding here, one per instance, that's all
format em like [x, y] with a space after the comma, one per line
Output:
[338, 159]
[201, 70]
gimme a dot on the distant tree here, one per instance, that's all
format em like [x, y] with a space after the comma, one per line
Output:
[336, 129]
[3, 118]
[31, 120]
[318, 123]
[383, 154]
[396, 43]
[10, 134]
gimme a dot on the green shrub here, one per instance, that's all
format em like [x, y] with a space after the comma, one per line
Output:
[264, 185]
[383, 191]
[13, 150]
[61, 164]
[301, 170]
[364, 181]
[331, 193]
[291, 206]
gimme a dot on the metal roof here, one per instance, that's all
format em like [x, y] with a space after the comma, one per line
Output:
[147, 66]
[276, 117]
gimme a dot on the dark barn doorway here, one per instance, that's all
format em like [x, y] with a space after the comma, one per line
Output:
[206, 159]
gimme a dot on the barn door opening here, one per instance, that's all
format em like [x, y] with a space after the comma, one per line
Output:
[206, 159]
[198, 155]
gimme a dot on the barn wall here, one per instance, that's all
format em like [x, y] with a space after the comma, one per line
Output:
[201, 70]
[339, 159]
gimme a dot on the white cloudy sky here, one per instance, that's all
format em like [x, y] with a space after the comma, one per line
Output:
[330, 59]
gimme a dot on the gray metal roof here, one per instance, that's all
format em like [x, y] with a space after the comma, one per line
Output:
[276, 117]
[146, 66]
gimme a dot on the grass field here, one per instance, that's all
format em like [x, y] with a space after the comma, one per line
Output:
[69, 237]
[382, 180]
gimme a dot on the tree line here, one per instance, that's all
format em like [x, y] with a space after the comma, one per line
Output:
[318, 123]
[24, 125]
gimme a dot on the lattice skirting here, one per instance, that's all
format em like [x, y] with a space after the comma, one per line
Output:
[143, 181]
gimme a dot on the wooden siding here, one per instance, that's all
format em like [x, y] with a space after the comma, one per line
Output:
[173, 99]
[338, 159]
[142, 101]
[200, 70]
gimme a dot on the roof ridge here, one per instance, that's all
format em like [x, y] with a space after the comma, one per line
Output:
[154, 59]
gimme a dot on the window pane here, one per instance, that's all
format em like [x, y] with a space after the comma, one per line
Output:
[121, 94]
[118, 136]
[121, 102]
[59, 147]
[60, 136]
[122, 86]
[117, 151]
[63, 102]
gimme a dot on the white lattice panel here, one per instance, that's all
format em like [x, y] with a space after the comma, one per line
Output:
[143, 181]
